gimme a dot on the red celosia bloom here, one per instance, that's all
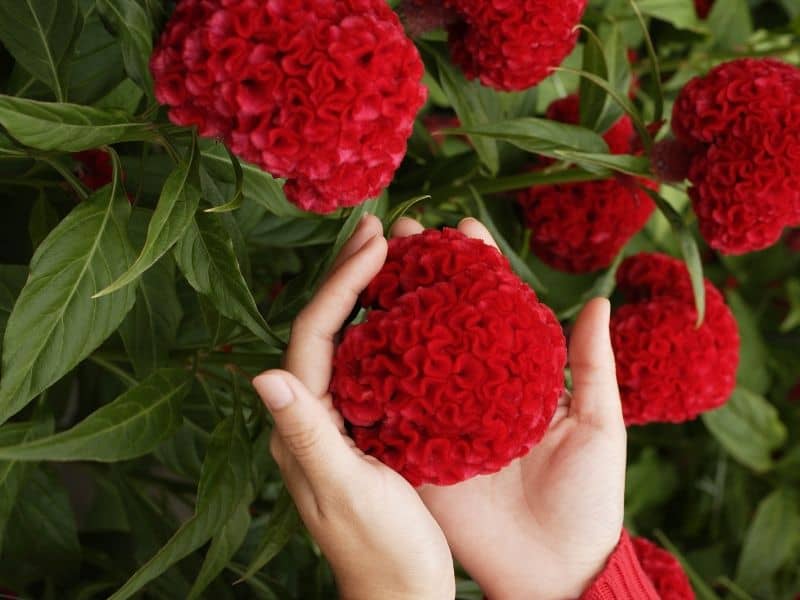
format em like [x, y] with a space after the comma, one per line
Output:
[458, 367]
[741, 123]
[668, 369]
[581, 227]
[510, 45]
[664, 570]
[703, 7]
[95, 169]
[323, 94]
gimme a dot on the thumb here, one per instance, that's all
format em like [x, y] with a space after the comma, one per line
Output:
[305, 426]
[595, 395]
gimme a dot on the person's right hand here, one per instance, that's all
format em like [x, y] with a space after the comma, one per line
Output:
[381, 541]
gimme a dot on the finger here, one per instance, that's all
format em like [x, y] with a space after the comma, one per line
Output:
[475, 229]
[307, 432]
[368, 227]
[293, 476]
[310, 352]
[595, 395]
[404, 227]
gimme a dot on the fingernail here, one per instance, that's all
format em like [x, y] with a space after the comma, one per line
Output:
[274, 391]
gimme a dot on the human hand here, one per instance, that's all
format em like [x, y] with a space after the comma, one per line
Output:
[373, 528]
[543, 527]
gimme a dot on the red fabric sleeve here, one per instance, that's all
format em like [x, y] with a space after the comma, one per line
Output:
[623, 577]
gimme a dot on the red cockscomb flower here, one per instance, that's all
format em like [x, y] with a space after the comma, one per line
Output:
[458, 367]
[94, 168]
[581, 227]
[507, 45]
[703, 7]
[741, 123]
[668, 369]
[324, 94]
[664, 571]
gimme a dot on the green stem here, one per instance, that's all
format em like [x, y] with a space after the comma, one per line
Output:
[519, 182]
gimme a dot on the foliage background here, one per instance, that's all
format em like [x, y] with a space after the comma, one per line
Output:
[133, 453]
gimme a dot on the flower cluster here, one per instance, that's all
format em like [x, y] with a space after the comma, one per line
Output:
[507, 45]
[581, 227]
[458, 367]
[668, 369]
[664, 571]
[741, 124]
[324, 94]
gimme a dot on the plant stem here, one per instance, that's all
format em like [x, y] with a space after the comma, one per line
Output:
[76, 184]
[123, 375]
[519, 182]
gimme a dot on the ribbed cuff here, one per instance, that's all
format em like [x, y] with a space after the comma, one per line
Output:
[623, 577]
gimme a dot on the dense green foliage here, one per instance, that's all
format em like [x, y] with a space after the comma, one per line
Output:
[133, 452]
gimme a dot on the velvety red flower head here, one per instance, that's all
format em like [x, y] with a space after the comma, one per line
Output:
[458, 367]
[703, 7]
[581, 227]
[506, 45]
[94, 168]
[741, 123]
[321, 93]
[668, 369]
[664, 571]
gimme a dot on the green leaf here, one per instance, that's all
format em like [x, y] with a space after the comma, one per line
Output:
[282, 523]
[638, 166]
[520, 266]
[55, 324]
[348, 227]
[691, 254]
[680, 13]
[222, 549]
[257, 185]
[238, 194]
[770, 540]
[401, 209]
[592, 97]
[134, 29]
[468, 102]
[68, 127]
[126, 97]
[541, 136]
[619, 76]
[731, 24]
[130, 426]
[38, 34]
[226, 472]
[603, 287]
[13, 473]
[177, 205]
[752, 373]
[42, 533]
[650, 482]
[749, 428]
[42, 220]
[205, 256]
[655, 67]
[12, 280]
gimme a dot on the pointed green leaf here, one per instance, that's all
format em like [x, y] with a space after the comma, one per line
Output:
[42, 532]
[749, 428]
[619, 76]
[770, 540]
[68, 127]
[12, 280]
[541, 136]
[205, 255]
[238, 193]
[592, 97]
[655, 68]
[38, 34]
[177, 204]
[13, 473]
[753, 372]
[55, 323]
[222, 549]
[282, 523]
[130, 426]
[132, 25]
[226, 473]
[681, 13]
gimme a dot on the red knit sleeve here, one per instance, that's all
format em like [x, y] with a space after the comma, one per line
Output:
[623, 577]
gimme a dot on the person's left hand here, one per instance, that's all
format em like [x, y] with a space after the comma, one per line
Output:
[369, 522]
